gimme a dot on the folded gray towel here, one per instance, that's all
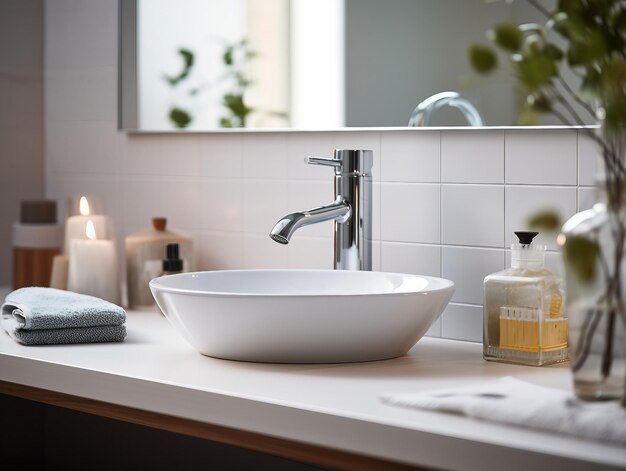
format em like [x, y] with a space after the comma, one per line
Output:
[43, 316]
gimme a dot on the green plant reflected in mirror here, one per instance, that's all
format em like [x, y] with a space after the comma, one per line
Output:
[201, 65]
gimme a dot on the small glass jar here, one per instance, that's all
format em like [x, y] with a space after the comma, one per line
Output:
[524, 319]
[144, 259]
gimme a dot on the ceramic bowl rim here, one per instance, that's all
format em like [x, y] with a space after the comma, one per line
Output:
[158, 284]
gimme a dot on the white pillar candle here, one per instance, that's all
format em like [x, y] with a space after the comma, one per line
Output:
[93, 267]
[75, 226]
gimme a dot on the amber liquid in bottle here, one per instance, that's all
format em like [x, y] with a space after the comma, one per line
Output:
[524, 321]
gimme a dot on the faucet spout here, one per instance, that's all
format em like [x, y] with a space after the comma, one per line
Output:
[339, 211]
[423, 112]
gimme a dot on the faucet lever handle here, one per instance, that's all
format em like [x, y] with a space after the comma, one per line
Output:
[323, 161]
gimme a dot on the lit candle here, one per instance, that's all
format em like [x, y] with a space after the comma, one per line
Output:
[93, 266]
[75, 225]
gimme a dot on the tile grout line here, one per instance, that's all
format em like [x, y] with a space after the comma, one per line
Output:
[504, 190]
[441, 221]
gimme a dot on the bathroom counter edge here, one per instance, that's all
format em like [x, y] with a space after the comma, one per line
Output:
[328, 406]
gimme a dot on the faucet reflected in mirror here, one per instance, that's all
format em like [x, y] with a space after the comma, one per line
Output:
[423, 112]
[351, 210]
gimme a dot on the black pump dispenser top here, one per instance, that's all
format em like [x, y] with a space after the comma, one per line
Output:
[172, 262]
[525, 237]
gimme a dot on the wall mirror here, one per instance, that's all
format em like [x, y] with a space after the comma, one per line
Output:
[203, 65]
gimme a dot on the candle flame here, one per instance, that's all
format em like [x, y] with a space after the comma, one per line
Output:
[84, 206]
[90, 230]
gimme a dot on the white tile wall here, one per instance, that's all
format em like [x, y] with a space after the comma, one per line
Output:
[546, 158]
[417, 259]
[472, 215]
[411, 157]
[462, 322]
[522, 201]
[468, 266]
[445, 202]
[410, 212]
[586, 197]
[21, 117]
[472, 157]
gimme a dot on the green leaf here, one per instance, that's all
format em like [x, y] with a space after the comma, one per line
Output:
[188, 61]
[534, 71]
[507, 36]
[228, 56]
[591, 49]
[482, 58]
[236, 104]
[188, 57]
[619, 20]
[581, 255]
[539, 102]
[553, 52]
[570, 26]
[591, 82]
[527, 117]
[180, 117]
[546, 220]
[225, 123]
[569, 6]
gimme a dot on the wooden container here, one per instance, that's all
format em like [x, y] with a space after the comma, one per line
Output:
[36, 240]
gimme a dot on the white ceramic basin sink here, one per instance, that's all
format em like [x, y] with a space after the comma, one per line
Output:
[301, 316]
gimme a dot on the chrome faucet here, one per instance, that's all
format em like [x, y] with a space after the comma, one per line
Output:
[351, 210]
[422, 114]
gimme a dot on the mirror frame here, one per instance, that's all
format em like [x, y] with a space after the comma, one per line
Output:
[127, 74]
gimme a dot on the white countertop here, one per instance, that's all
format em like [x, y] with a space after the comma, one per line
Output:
[335, 406]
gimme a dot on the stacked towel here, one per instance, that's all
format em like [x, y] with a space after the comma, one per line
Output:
[515, 402]
[44, 316]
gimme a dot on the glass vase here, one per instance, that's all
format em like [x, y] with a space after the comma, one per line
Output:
[594, 248]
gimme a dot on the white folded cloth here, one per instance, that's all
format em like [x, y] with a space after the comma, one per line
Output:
[515, 402]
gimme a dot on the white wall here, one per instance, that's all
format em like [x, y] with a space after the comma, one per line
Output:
[445, 202]
[21, 115]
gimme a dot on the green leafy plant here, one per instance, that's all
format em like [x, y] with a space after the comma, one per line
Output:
[586, 37]
[179, 117]
[236, 59]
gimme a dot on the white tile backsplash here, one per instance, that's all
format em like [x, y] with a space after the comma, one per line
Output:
[547, 158]
[264, 203]
[220, 251]
[588, 156]
[220, 155]
[468, 266]
[222, 204]
[462, 322]
[439, 199]
[142, 199]
[78, 34]
[81, 95]
[472, 215]
[472, 157]
[410, 156]
[310, 253]
[259, 251]
[410, 212]
[586, 197]
[524, 201]
[411, 258]
[265, 156]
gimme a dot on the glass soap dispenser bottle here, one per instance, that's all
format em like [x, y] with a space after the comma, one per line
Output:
[524, 319]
